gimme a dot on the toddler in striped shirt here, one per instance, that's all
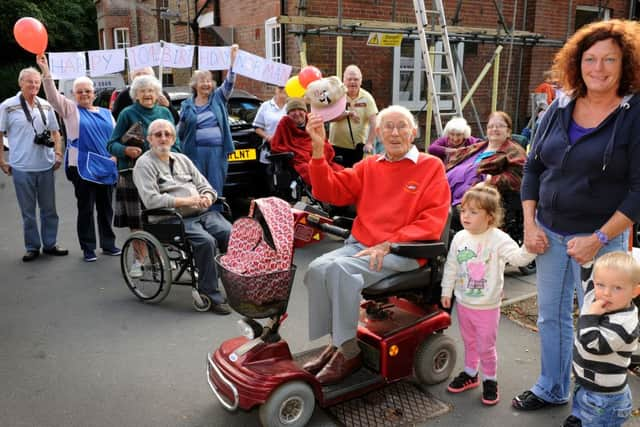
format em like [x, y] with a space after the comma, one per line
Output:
[607, 334]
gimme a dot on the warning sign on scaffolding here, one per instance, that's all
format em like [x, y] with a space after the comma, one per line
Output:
[384, 40]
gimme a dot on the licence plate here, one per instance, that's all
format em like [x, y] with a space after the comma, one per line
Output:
[242, 155]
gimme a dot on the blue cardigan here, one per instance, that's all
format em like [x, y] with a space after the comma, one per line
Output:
[579, 186]
[218, 104]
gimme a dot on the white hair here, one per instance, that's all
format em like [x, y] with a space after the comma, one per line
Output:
[146, 71]
[82, 80]
[143, 82]
[158, 122]
[28, 70]
[197, 74]
[396, 109]
[352, 68]
[457, 124]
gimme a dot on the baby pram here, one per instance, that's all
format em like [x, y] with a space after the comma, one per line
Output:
[257, 271]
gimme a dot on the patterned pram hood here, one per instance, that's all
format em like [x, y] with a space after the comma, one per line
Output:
[263, 241]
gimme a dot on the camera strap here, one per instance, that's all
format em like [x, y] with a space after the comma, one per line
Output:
[27, 114]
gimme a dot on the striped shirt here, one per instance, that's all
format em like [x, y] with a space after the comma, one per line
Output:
[603, 346]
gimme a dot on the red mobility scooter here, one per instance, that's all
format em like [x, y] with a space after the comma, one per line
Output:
[400, 334]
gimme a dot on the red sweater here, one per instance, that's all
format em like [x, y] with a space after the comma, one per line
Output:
[396, 201]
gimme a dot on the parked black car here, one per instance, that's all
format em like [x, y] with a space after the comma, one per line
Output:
[246, 178]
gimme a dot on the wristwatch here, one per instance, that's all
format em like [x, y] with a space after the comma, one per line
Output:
[602, 237]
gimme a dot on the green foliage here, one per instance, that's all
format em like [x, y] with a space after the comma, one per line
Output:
[9, 77]
[71, 26]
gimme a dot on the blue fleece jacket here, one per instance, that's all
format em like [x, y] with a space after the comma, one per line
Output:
[218, 104]
[579, 186]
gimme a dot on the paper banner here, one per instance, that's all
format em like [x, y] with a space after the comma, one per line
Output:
[103, 62]
[143, 55]
[261, 69]
[67, 65]
[214, 58]
[176, 56]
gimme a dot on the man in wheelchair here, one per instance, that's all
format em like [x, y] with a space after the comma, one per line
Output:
[291, 137]
[401, 196]
[170, 180]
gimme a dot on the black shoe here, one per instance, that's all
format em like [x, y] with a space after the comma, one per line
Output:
[527, 401]
[221, 308]
[490, 394]
[30, 256]
[572, 421]
[463, 382]
[56, 251]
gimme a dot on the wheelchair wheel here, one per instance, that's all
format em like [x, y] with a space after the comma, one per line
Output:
[145, 267]
[204, 304]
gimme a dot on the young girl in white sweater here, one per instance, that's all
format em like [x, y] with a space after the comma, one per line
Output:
[474, 272]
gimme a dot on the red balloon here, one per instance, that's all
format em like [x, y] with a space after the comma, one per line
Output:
[31, 35]
[309, 74]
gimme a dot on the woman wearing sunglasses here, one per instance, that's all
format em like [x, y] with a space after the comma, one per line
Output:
[88, 164]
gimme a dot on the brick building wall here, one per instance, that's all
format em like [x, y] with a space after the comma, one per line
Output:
[552, 18]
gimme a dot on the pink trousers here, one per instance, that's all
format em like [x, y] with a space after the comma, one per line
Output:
[479, 330]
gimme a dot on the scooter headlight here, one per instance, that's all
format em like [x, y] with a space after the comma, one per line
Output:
[245, 329]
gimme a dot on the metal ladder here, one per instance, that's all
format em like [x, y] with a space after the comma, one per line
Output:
[438, 30]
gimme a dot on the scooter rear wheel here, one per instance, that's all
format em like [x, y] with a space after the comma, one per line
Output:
[435, 359]
[289, 405]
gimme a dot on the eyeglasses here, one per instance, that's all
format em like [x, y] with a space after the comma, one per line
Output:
[400, 127]
[497, 126]
[83, 91]
[162, 133]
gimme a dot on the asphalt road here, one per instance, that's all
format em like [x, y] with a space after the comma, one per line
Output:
[77, 348]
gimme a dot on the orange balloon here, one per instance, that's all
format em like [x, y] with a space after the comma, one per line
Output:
[31, 35]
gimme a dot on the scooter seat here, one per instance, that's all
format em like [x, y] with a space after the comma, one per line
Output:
[401, 282]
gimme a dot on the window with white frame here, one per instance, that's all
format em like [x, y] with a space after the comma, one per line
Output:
[120, 38]
[588, 14]
[272, 40]
[409, 90]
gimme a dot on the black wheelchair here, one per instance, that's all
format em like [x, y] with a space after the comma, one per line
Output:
[159, 256]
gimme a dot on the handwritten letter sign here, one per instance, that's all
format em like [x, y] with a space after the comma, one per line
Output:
[67, 65]
[103, 62]
[261, 69]
[143, 55]
[176, 56]
[214, 58]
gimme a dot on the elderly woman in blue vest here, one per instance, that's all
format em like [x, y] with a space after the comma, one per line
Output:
[88, 164]
[204, 125]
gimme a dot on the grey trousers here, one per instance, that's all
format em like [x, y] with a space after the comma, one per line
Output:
[335, 281]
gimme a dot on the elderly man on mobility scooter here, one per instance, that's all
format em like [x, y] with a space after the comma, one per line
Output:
[401, 196]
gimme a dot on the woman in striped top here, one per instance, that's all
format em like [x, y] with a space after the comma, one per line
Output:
[204, 125]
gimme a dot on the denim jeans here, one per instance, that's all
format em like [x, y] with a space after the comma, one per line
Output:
[558, 275]
[602, 409]
[206, 233]
[37, 189]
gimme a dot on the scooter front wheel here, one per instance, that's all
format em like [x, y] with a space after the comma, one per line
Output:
[435, 359]
[289, 405]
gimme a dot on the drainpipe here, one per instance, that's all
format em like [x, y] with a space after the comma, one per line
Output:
[195, 27]
[283, 33]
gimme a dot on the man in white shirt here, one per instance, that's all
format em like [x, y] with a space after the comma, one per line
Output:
[35, 152]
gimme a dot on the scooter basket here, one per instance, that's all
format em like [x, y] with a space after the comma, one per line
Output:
[257, 296]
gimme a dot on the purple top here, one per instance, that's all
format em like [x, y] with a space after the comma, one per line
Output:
[576, 131]
[462, 177]
[437, 147]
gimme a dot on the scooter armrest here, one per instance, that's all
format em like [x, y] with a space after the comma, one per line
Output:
[419, 249]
